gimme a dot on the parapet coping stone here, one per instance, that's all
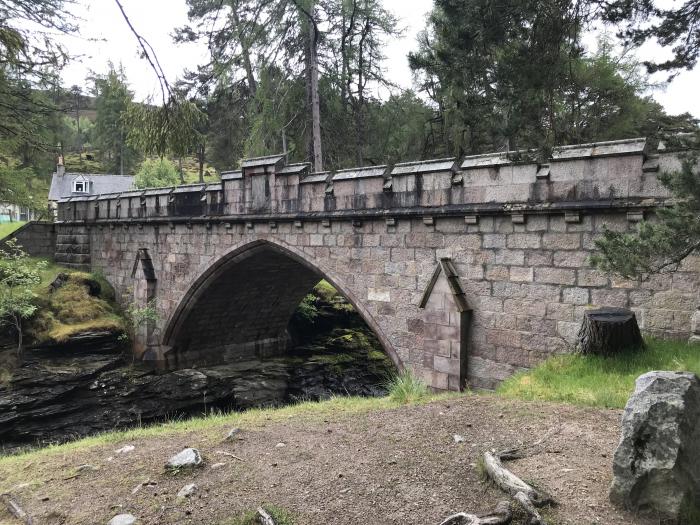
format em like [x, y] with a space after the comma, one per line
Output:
[424, 166]
[132, 193]
[188, 188]
[315, 177]
[214, 187]
[151, 192]
[294, 169]
[231, 175]
[360, 173]
[635, 146]
[258, 162]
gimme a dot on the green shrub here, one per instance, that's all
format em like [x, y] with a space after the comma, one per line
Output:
[156, 173]
[406, 388]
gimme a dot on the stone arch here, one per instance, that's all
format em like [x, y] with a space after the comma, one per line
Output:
[239, 305]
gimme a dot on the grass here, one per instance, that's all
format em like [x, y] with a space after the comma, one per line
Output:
[213, 425]
[596, 381]
[405, 388]
[6, 228]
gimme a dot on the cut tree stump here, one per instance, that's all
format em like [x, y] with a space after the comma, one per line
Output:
[609, 331]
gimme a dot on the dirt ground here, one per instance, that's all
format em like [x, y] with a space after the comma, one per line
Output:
[400, 466]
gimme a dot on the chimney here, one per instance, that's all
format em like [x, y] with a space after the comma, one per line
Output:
[60, 168]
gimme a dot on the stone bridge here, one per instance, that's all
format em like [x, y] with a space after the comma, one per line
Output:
[467, 270]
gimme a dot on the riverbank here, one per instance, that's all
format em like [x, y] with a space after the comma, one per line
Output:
[343, 461]
[78, 379]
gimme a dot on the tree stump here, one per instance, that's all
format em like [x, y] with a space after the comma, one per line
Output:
[609, 331]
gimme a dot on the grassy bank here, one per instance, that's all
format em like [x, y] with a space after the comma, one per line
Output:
[211, 425]
[599, 381]
[6, 228]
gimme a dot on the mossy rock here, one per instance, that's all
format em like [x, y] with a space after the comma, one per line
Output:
[94, 288]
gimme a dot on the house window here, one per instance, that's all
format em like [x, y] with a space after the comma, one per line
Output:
[81, 186]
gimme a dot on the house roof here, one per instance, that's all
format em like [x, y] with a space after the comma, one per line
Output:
[62, 185]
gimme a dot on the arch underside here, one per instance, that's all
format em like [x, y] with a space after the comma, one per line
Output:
[240, 309]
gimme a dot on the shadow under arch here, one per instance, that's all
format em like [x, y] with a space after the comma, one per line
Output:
[240, 305]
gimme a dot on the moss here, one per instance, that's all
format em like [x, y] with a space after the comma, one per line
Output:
[61, 333]
[689, 512]
[74, 307]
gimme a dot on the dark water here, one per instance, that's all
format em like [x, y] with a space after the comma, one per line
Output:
[58, 394]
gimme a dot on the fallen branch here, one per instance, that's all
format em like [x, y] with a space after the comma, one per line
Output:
[510, 483]
[228, 454]
[264, 518]
[535, 518]
[500, 516]
[14, 508]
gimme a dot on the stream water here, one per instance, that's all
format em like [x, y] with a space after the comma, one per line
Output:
[89, 385]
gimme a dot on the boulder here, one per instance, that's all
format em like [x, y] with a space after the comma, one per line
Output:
[656, 466]
[187, 458]
[123, 519]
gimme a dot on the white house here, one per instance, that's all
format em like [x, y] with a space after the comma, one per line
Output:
[66, 184]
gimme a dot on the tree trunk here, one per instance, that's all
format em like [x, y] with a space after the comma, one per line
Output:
[317, 158]
[182, 173]
[20, 338]
[245, 54]
[200, 152]
[609, 331]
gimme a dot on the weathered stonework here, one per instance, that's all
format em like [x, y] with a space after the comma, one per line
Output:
[230, 262]
[37, 238]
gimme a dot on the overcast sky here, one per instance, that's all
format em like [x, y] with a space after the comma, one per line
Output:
[105, 37]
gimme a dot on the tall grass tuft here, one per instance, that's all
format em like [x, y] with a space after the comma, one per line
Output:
[599, 381]
[406, 388]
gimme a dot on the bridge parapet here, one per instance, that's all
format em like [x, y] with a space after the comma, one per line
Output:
[609, 174]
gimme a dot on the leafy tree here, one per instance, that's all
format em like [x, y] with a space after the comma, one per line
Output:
[170, 128]
[658, 245]
[112, 99]
[156, 173]
[18, 276]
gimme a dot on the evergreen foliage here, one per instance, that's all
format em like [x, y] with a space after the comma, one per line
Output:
[112, 99]
[661, 244]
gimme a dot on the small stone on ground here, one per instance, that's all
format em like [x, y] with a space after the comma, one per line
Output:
[189, 457]
[233, 434]
[123, 519]
[187, 490]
